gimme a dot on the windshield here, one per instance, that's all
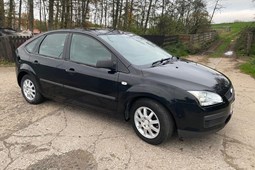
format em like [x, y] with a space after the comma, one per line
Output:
[135, 49]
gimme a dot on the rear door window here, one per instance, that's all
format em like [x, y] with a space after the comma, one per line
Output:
[53, 45]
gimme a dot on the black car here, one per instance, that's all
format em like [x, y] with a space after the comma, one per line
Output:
[124, 73]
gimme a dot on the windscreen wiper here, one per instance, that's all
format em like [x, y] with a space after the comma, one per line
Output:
[160, 62]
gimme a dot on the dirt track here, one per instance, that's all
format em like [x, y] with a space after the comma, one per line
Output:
[56, 135]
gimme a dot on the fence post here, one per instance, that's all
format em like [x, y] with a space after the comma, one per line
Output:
[249, 42]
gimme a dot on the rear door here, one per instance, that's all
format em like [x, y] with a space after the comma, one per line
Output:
[85, 82]
[48, 63]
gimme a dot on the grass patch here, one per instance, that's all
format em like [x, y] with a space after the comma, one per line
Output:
[177, 49]
[228, 32]
[4, 63]
[249, 67]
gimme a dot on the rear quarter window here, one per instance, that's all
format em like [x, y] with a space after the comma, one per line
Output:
[30, 47]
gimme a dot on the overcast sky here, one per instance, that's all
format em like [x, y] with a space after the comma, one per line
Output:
[243, 10]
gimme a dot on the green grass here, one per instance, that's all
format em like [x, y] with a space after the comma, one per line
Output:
[4, 63]
[249, 67]
[226, 36]
[178, 50]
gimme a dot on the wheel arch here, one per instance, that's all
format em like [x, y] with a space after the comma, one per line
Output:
[164, 104]
[20, 76]
[24, 70]
[163, 96]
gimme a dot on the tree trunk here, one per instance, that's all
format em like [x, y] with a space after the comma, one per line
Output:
[95, 14]
[40, 14]
[56, 15]
[126, 16]
[20, 5]
[31, 15]
[148, 15]
[44, 13]
[83, 13]
[214, 9]
[113, 13]
[67, 14]
[78, 14]
[143, 13]
[102, 13]
[120, 13]
[2, 18]
[130, 18]
[50, 22]
[10, 14]
[105, 13]
[86, 10]
[115, 23]
[71, 14]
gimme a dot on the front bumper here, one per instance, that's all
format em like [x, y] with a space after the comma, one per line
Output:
[202, 132]
[198, 122]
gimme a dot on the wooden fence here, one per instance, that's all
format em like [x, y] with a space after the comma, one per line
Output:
[162, 40]
[249, 41]
[200, 39]
[188, 39]
[8, 45]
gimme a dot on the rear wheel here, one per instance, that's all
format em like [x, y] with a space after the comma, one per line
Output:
[151, 121]
[30, 90]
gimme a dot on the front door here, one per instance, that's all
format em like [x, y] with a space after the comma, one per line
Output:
[85, 82]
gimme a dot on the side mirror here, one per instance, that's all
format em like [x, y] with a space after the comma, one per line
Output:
[106, 64]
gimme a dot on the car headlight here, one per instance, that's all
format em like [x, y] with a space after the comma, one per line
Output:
[206, 98]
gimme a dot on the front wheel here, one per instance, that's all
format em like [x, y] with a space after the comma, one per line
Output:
[151, 121]
[30, 90]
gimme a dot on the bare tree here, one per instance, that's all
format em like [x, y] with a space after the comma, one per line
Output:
[140, 16]
[148, 15]
[217, 6]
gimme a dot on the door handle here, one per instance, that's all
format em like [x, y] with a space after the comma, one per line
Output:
[36, 62]
[70, 70]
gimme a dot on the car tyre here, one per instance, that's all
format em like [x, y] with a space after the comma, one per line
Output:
[151, 121]
[30, 90]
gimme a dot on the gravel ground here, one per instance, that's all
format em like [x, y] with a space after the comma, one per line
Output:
[59, 136]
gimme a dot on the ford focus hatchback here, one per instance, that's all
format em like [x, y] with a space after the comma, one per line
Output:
[125, 74]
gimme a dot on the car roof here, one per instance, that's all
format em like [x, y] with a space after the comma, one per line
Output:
[95, 32]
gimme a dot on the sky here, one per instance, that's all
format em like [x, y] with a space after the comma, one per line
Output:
[241, 10]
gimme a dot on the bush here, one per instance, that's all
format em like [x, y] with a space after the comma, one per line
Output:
[177, 49]
[249, 67]
[194, 48]
[241, 43]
